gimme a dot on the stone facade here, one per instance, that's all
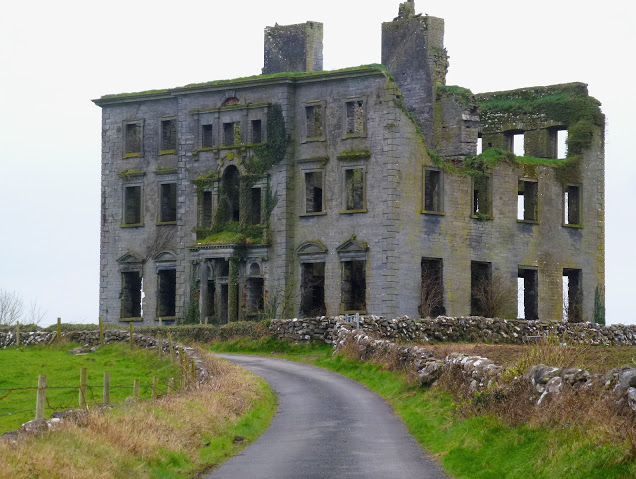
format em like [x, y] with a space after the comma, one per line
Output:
[303, 192]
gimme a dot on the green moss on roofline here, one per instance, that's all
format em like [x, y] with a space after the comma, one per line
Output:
[466, 96]
[238, 81]
[565, 103]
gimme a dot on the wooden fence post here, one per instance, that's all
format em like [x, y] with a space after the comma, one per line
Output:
[41, 397]
[106, 387]
[101, 332]
[170, 386]
[82, 388]
[170, 347]
[154, 387]
[58, 334]
[17, 334]
[136, 389]
[193, 373]
[132, 341]
[160, 344]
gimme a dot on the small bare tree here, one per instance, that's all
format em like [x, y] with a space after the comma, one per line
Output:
[431, 293]
[34, 314]
[496, 296]
[11, 307]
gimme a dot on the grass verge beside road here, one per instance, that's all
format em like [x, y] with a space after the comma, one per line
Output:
[168, 438]
[469, 446]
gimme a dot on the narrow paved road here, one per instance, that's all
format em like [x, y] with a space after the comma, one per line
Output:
[327, 426]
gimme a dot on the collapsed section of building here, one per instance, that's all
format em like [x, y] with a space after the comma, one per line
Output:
[374, 189]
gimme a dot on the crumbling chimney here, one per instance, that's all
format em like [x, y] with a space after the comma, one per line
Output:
[413, 51]
[293, 48]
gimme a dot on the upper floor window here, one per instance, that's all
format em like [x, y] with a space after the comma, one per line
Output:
[314, 200]
[133, 135]
[354, 118]
[433, 191]
[132, 206]
[354, 186]
[207, 138]
[257, 132]
[232, 133]
[314, 121]
[168, 203]
[168, 136]
[482, 197]
[572, 205]
[528, 201]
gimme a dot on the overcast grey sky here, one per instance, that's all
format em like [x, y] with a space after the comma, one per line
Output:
[57, 55]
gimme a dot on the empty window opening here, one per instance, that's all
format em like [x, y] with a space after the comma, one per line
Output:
[230, 193]
[131, 289]
[232, 133]
[206, 209]
[255, 269]
[207, 138]
[572, 205]
[432, 288]
[257, 134]
[168, 202]
[481, 196]
[355, 117]
[527, 297]
[313, 192]
[209, 299]
[562, 139]
[312, 289]
[223, 268]
[313, 115]
[354, 285]
[517, 146]
[168, 135]
[527, 200]
[255, 206]
[572, 296]
[480, 145]
[354, 189]
[480, 279]
[133, 138]
[255, 292]
[132, 205]
[166, 292]
[223, 307]
[433, 190]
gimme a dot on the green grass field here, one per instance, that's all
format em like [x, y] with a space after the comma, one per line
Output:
[20, 368]
[469, 447]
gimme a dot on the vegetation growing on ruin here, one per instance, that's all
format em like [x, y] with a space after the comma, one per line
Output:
[273, 150]
[130, 173]
[232, 232]
[465, 96]
[354, 155]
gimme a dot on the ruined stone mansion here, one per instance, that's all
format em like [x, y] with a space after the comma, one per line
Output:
[374, 189]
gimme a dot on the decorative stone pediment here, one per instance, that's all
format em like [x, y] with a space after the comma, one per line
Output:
[130, 258]
[165, 256]
[352, 250]
[311, 247]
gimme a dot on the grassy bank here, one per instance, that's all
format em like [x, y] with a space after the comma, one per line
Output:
[21, 367]
[471, 446]
[172, 437]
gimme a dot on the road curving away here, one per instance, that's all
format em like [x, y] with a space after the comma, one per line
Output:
[327, 426]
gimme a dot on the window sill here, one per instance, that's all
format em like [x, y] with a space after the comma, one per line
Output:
[482, 217]
[317, 213]
[314, 139]
[528, 222]
[207, 148]
[136, 225]
[163, 223]
[166, 171]
[351, 212]
[566, 225]
[167, 152]
[130, 320]
[354, 135]
[132, 155]
[165, 318]
[437, 213]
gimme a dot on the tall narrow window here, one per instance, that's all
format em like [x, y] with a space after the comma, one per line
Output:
[354, 116]
[255, 206]
[168, 200]
[354, 285]
[312, 289]
[432, 288]
[130, 294]
[232, 133]
[572, 296]
[313, 121]
[257, 134]
[168, 135]
[132, 205]
[433, 191]
[313, 192]
[528, 297]
[207, 138]
[354, 189]
[527, 200]
[514, 141]
[166, 292]
[572, 205]
[480, 279]
[481, 197]
[562, 140]
[229, 196]
[132, 140]
[255, 291]
[206, 209]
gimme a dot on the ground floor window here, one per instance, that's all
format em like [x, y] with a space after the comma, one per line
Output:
[166, 292]
[312, 289]
[432, 288]
[131, 286]
[354, 286]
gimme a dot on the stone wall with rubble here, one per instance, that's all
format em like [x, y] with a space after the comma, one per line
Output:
[470, 329]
